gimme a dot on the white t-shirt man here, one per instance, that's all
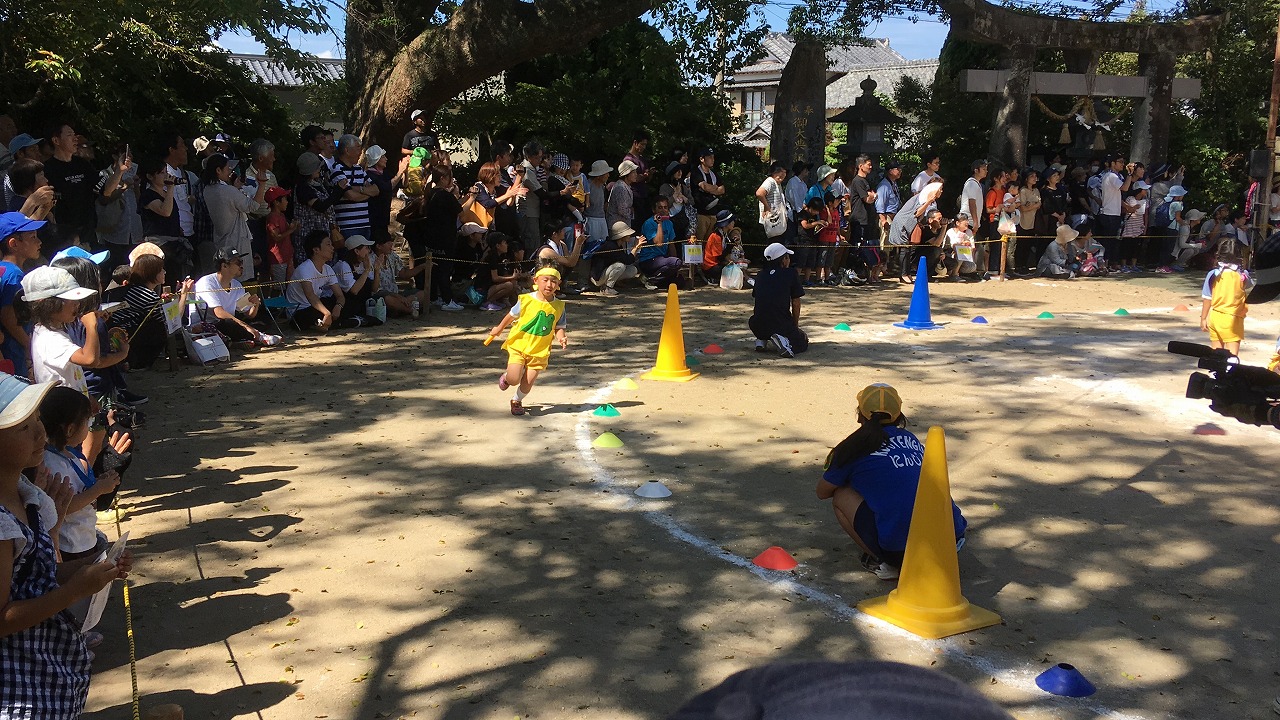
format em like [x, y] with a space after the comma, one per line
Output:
[322, 283]
[51, 352]
[182, 199]
[972, 193]
[210, 291]
[1111, 184]
[924, 178]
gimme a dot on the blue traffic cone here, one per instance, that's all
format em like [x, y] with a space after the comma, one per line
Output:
[919, 317]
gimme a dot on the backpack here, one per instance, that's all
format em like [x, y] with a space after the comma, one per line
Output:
[1160, 216]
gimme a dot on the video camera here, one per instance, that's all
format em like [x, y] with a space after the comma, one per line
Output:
[1247, 393]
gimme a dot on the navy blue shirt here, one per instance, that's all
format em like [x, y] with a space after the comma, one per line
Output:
[775, 288]
[887, 480]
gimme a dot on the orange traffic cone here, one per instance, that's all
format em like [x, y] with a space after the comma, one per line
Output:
[927, 601]
[671, 364]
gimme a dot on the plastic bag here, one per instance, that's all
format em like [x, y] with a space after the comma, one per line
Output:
[731, 277]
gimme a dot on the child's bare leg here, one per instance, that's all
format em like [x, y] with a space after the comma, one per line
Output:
[845, 503]
[398, 304]
[530, 376]
[516, 374]
[1233, 347]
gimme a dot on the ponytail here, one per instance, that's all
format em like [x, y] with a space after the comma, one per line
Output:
[868, 438]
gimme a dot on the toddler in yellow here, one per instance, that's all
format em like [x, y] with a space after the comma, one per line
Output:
[1223, 308]
[538, 317]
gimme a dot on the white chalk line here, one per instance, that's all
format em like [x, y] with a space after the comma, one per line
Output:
[1021, 678]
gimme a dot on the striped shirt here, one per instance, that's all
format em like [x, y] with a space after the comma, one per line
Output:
[350, 214]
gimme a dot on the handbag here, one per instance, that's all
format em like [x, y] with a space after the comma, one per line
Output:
[205, 347]
[731, 277]
[775, 225]
[477, 214]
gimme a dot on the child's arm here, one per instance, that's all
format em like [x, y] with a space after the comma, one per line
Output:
[19, 615]
[90, 356]
[502, 325]
[86, 497]
[562, 338]
[1204, 314]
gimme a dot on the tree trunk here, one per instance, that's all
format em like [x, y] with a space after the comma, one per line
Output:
[397, 64]
[800, 111]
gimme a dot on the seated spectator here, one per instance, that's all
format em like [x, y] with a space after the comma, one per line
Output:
[355, 276]
[653, 259]
[556, 251]
[777, 293]
[471, 248]
[500, 278]
[222, 301]
[871, 479]
[1190, 244]
[960, 243]
[713, 250]
[614, 261]
[314, 290]
[1059, 259]
[19, 245]
[389, 270]
[143, 316]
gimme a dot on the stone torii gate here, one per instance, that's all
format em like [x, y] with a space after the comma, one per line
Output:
[1021, 34]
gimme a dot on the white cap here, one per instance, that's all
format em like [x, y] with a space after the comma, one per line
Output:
[469, 228]
[776, 250]
[46, 282]
[373, 154]
[356, 241]
[18, 400]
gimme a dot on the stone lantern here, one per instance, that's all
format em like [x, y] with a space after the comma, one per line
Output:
[866, 121]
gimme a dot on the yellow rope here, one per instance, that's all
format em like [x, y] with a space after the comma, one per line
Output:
[128, 624]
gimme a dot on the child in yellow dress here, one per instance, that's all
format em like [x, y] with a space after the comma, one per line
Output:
[538, 316]
[1223, 310]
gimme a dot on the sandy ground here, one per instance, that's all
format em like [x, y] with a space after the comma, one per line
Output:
[355, 527]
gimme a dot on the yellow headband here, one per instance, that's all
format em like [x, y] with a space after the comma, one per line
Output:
[548, 271]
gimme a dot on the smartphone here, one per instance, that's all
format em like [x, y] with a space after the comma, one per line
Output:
[126, 151]
[111, 307]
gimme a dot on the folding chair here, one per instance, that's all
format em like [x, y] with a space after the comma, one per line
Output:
[279, 302]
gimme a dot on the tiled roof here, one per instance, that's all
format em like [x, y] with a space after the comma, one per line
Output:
[842, 93]
[842, 58]
[273, 73]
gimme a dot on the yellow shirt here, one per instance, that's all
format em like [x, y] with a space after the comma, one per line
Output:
[534, 329]
[1229, 293]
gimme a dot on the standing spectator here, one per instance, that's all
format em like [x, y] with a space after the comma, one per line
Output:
[189, 204]
[19, 245]
[652, 258]
[797, 188]
[824, 177]
[673, 191]
[777, 292]
[597, 214]
[863, 244]
[420, 136]
[1133, 241]
[160, 223]
[312, 203]
[640, 183]
[229, 211]
[72, 178]
[887, 205]
[280, 234]
[529, 205]
[1165, 227]
[1078, 197]
[971, 204]
[932, 162]
[1030, 202]
[119, 226]
[1053, 199]
[494, 197]
[375, 163]
[1113, 188]
[22, 147]
[352, 189]
[773, 202]
[431, 223]
[994, 205]
[707, 192]
[7, 131]
[621, 204]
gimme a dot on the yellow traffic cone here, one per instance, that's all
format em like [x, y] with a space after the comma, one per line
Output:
[671, 363]
[927, 601]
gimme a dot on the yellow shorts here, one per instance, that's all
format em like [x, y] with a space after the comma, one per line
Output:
[533, 362]
[1226, 328]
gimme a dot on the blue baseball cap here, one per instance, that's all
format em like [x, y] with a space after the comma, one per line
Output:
[21, 142]
[12, 223]
[76, 251]
[18, 399]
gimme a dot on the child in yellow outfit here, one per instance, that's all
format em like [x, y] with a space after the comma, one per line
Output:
[1223, 308]
[537, 316]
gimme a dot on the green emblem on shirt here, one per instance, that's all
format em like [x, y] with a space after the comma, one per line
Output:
[539, 325]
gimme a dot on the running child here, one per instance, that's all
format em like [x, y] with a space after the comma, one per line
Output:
[1223, 308]
[46, 663]
[537, 316]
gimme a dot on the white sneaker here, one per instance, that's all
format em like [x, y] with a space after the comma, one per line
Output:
[885, 571]
[452, 307]
[609, 292]
[783, 345]
[270, 340]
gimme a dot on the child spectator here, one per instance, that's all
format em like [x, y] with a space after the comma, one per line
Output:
[1007, 227]
[1223, 308]
[829, 240]
[389, 269]
[808, 256]
[19, 245]
[46, 663]
[959, 261]
[713, 249]
[499, 279]
[143, 316]
[538, 316]
[54, 299]
[280, 234]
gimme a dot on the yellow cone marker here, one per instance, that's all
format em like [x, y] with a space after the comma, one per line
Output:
[671, 365]
[626, 384]
[607, 440]
[927, 601]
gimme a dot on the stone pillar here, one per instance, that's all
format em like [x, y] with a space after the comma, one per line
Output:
[800, 111]
[1009, 131]
[1150, 142]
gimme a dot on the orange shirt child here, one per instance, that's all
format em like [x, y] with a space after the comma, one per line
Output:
[712, 250]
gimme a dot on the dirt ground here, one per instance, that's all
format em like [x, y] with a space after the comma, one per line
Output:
[355, 527]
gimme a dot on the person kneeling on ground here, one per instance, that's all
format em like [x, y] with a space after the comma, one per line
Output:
[1059, 259]
[227, 301]
[871, 479]
[776, 321]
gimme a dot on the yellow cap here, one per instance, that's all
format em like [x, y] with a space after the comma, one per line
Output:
[547, 271]
[880, 398]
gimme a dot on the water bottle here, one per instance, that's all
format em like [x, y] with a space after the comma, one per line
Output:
[371, 307]
[382, 310]
[415, 307]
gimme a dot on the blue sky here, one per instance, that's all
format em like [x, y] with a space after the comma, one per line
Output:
[917, 41]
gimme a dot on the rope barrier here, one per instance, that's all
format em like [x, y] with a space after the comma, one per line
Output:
[128, 624]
